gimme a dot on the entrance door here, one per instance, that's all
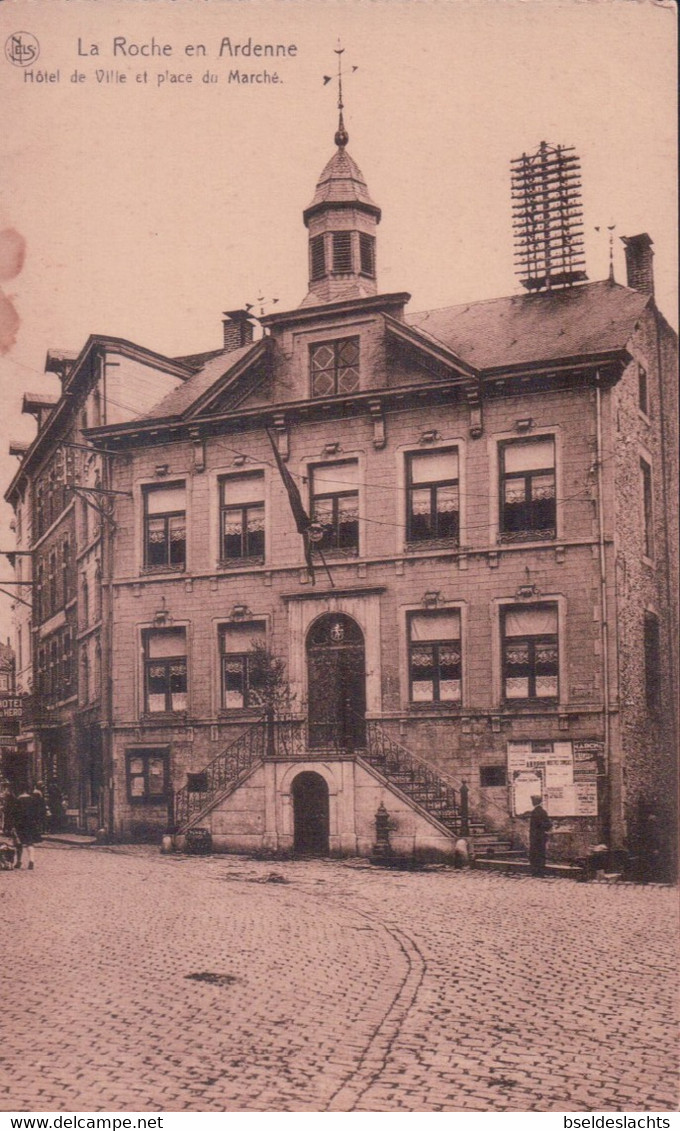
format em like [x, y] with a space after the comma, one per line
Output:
[310, 814]
[336, 683]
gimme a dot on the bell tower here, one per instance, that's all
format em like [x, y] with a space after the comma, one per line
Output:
[341, 221]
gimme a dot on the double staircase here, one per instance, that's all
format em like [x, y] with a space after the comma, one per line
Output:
[429, 791]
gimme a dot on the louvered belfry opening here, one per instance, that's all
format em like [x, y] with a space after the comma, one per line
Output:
[548, 218]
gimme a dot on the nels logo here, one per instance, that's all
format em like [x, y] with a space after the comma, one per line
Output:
[22, 48]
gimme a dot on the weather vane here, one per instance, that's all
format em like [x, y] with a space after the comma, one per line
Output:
[261, 301]
[341, 136]
[610, 228]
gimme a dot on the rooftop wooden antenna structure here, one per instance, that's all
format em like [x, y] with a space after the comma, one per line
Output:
[548, 218]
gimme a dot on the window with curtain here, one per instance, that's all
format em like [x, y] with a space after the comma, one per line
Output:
[527, 504]
[335, 505]
[165, 670]
[242, 517]
[165, 526]
[530, 653]
[334, 367]
[433, 506]
[240, 686]
[435, 657]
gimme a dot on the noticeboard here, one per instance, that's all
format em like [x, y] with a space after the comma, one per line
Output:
[563, 773]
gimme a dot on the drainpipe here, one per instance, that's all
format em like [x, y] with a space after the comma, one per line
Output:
[667, 545]
[604, 623]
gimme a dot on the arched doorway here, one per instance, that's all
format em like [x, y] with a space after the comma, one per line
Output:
[310, 813]
[336, 666]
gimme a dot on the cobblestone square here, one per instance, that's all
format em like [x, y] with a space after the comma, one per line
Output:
[136, 981]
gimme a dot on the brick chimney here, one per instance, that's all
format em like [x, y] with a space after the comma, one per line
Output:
[639, 263]
[238, 329]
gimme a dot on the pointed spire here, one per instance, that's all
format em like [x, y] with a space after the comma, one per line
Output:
[341, 135]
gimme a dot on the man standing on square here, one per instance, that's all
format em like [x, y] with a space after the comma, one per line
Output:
[539, 827]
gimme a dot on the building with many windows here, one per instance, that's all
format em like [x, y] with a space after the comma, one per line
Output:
[364, 556]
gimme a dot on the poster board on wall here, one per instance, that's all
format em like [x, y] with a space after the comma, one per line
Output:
[563, 773]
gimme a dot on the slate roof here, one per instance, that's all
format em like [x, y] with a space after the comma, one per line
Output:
[342, 182]
[592, 318]
[181, 398]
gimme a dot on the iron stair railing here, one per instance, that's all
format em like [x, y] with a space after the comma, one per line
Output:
[424, 785]
[224, 771]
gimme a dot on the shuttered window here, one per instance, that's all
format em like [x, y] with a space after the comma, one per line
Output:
[342, 252]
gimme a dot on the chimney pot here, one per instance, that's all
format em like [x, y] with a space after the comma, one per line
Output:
[639, 262]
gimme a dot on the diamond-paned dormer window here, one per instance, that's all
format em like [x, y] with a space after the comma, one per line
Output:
[367, 254]
[342, 252]
[317, 252]
[335, 367]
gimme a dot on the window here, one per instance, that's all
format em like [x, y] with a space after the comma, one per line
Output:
[335, 367]
[40, 509]
[52, 576]
[85, 675]
[165, 670]
[242, 517]
[317, 253]
[40, 593]
[165, 527]
[65, 572]
[98, 593]
[435, 657]
[652, 661]
[646, 473]
[367, 254]
[20, 650]
[147, 775]
[67, 661]
[342, 252]
[240, 684]
[643, 400]
[85, 602]
[54, 688]
[492, 775]
[530, 653]
[335, 504]
[432, 496]
[527, 505]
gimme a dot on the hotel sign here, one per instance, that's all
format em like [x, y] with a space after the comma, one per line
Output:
[11, 707]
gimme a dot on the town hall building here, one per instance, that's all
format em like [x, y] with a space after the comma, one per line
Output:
[361, 556]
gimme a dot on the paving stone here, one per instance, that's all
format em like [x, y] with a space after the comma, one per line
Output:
[353, 988]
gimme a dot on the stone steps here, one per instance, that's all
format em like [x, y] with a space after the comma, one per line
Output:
[521, 867]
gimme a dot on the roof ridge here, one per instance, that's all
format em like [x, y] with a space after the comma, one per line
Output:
[508, 298]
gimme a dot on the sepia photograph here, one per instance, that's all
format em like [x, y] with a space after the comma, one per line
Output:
[339, 559]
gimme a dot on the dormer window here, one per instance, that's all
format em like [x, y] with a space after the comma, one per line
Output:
[367, 255]
[342, 252]
[334, 367]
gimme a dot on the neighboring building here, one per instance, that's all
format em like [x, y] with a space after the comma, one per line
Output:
[61, 506]
[493, 539]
